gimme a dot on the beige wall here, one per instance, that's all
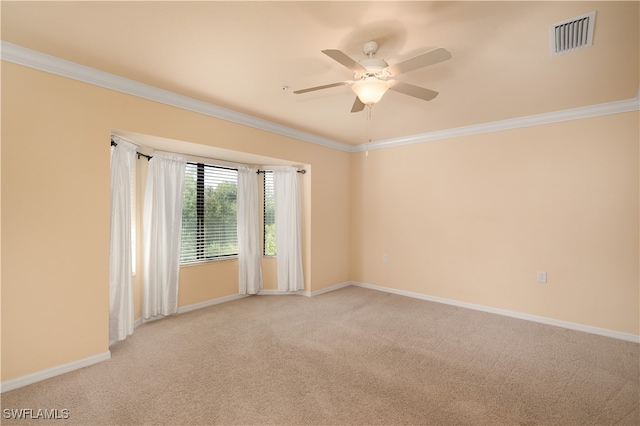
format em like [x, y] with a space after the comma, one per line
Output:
[470, 219]
[474, 218]
[55, 211]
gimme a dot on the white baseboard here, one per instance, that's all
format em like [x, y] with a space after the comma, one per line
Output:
[38, 376]
[544, 320]
[263, 292]
[330, 288]
[338, 286]
[211, 302]
[137, 323]
[272, 292]
[189, 308]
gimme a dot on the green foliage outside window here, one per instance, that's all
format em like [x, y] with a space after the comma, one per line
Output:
[269, 216]
[211, 230]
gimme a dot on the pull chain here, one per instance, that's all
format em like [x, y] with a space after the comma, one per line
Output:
[366, 154]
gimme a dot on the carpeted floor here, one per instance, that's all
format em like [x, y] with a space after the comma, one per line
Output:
[352, 356]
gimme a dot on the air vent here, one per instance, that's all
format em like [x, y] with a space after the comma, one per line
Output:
[572, 34]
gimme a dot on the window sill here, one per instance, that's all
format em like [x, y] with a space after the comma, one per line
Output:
[207, 261]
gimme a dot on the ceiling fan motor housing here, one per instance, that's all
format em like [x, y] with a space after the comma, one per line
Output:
[375, 68]
[370, 48]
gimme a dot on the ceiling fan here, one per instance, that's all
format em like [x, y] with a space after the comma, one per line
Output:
[371, 78]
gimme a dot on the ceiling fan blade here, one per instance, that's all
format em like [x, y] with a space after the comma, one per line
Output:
[415, 91]
[326, 86]
[429, 58]
[345, 60]
[357, 105]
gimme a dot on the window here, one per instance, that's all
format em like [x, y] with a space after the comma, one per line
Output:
[209, 221]
[269, 230]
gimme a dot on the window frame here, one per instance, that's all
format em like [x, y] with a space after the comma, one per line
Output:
[264, 213]
[200, 237]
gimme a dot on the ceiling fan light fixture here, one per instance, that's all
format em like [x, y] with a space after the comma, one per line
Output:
[370, 76]
[370, 89]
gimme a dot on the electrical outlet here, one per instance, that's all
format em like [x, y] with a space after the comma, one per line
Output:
[385, 258]
[542, 277]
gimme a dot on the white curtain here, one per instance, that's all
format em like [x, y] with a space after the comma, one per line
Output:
[288, 218]
[120, 267]
[162, 228]
[249, 255]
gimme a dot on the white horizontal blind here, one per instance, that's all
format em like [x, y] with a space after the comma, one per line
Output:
[209, 218]
[269, 221]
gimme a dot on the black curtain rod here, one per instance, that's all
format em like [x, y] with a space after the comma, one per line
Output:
[269, 171]
[149, 157]
[139, 154]
[215, 166]
[235, 168]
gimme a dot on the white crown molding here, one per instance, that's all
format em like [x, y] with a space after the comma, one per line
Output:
[43, 62]
[615, 107]
[38, 376]
[543, 320]
[51, 64]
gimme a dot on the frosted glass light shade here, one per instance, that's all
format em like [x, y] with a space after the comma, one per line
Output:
[370, 90]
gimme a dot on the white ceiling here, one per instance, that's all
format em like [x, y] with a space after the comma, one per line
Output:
[239, 55]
